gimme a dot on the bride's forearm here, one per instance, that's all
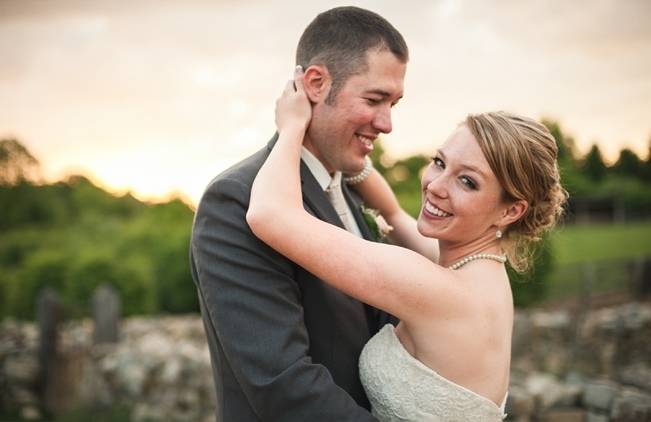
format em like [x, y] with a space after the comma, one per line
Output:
[276, 204]
[276, 191]
[377, 194]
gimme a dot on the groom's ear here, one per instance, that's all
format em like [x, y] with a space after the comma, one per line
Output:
[317, 83]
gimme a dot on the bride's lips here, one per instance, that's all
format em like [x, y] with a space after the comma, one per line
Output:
[432, 211]
[366, 142]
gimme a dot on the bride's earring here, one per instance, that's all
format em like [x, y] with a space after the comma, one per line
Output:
[498, 234]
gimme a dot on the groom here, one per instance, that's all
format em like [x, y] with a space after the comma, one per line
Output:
[284, 346]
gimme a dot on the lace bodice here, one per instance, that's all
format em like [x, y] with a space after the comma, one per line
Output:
[401, 388]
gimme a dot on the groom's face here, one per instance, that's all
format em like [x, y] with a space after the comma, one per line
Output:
[342, 133]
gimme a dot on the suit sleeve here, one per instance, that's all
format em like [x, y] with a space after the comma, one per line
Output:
[254, 305]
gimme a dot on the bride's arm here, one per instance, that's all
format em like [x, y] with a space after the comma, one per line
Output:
[377, 194]
[371, 272]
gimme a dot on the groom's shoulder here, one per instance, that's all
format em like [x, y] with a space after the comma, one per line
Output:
[241, 173]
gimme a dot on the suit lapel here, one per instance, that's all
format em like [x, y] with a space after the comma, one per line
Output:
[317, 201]
[355, 205]
[315, 198]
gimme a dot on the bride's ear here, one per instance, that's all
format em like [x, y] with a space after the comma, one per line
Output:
[317, 83]
[512, 213]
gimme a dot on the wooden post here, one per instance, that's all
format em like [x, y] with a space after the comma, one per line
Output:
[106, 309]
[48, 316]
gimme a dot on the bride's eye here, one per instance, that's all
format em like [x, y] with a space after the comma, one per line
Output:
[468, 182]
[438, 162]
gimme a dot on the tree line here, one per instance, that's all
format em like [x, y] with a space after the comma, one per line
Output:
[72, 235]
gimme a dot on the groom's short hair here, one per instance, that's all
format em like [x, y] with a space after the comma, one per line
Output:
[339, 39]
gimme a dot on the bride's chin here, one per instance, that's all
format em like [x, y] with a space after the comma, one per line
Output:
[423, 228]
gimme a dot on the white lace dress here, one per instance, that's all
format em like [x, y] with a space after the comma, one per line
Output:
[401, 388]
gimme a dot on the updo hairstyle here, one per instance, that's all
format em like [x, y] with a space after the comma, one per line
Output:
[522, 154]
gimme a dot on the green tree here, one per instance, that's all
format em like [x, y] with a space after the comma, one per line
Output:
[17, 164]
[593, 164]
[572, 177]
[646, 174]
[403, 176]
[44, 268]
[531, 287]
[566, 145]
[628, 164]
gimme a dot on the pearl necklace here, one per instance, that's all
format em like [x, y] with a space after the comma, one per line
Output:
[467, 259]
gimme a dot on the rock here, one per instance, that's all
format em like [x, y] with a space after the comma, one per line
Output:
[155, 345]
[545, 389]
[569, 395]
[520, 403]
[94, 391]
[636, 375]
[23, 396]
[631, 405]
[146, 412]
[127, 369]
[551, 320]
[21, 368]
[171, 371]
[599, 395]
[521, 340]
[30, 413]
[563, 415]
[596, 417]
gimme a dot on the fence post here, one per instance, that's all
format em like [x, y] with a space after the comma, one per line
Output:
[641, 278]
[48, 316]
[106, 309]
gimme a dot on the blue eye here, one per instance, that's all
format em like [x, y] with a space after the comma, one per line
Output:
[438, 162]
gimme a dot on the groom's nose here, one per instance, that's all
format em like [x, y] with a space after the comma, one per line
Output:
[382, 120]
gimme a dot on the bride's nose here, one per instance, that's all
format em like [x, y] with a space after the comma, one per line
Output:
[438, 186]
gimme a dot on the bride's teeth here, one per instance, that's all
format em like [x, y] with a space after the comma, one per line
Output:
[436, 211]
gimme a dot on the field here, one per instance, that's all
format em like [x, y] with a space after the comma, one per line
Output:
[597, 258]
[594, 242]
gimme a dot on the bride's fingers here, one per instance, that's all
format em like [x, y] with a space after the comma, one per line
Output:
[298, 79]
[289, 88]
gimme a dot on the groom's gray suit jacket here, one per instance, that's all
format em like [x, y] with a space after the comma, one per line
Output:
[284, 345]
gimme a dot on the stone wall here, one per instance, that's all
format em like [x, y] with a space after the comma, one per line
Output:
[572, 366]
[160, 369]
[566, 366]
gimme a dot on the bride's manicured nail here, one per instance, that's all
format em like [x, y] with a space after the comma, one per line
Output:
[298, 69]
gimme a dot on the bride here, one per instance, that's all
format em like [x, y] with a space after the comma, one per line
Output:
[490, 190]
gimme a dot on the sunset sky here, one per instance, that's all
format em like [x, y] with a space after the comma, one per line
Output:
[157, 97]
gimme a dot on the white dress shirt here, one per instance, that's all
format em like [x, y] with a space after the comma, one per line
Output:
[324, 180]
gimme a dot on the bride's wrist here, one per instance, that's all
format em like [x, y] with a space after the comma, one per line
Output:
[362, 175]
[293, 129]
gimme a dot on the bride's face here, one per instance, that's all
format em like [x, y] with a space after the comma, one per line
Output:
[462, 198]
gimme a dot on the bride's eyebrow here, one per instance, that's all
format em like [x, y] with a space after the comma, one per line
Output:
[462, 165]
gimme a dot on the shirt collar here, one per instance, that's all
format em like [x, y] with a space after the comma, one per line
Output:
[318, 170]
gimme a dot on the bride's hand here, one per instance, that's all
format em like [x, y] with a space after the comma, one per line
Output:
[293, 109]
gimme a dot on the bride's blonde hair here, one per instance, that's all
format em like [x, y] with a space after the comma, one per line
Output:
[522, 154]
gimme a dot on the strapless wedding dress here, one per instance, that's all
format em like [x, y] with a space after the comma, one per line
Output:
[401, 388]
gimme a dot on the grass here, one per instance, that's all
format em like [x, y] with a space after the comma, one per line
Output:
[594, 242]
[596, 258]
